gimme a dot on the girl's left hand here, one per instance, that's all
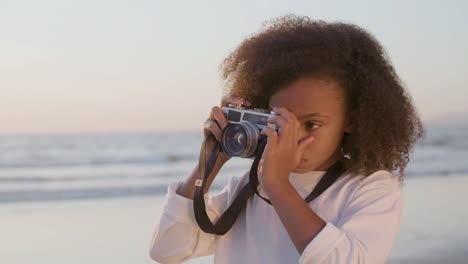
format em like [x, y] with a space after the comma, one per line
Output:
[283, 151]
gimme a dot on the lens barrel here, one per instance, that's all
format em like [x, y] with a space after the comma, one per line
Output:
[240, 139]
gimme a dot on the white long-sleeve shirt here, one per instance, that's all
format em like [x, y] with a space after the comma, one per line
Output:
[362, 214]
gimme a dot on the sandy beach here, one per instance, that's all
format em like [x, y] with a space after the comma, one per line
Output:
[119, 230]
[434, 225]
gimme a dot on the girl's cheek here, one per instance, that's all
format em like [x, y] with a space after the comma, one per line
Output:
[317, 133]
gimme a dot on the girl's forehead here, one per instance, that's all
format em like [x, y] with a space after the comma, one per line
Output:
[308, 95]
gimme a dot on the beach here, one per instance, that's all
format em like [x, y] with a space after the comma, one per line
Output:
[119, 230]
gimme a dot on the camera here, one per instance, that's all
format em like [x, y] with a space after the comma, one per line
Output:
[241, 137]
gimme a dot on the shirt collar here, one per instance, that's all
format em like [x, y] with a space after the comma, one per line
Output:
[310, 177]
[302, 182]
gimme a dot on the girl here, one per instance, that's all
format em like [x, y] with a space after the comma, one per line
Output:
[338, 99]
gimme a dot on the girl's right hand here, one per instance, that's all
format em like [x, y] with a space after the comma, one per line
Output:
[216, 122]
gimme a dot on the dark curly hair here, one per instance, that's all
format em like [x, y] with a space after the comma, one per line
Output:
[384, 122]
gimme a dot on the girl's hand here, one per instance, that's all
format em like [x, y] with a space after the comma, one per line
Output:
[283, 152]
[216, 122]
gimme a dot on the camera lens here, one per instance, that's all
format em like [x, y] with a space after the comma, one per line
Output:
[240, 139]
[235, 139]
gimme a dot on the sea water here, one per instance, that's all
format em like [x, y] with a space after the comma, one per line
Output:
[105, 165]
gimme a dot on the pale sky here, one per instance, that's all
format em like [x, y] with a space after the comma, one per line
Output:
[105, 66]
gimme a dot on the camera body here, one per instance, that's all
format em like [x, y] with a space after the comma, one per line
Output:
[241, 136]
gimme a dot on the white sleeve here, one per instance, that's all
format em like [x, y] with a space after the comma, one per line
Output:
[367, 229]
[178, 237]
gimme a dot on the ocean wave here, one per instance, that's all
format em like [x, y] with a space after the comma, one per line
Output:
[86, 193]
[168, 159]
[421, 172]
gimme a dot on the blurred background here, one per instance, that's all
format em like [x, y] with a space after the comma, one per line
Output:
[103, 102]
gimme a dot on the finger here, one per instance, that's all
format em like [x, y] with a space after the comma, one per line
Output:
[271, 134]
[211, 126]
[231, 99]
[267, 131]
[282, 111]
[219, 117]
[303, 143]
[283, 125]
[226, 99]
[278, 120]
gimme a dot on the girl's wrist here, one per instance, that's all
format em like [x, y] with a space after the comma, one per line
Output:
[278, 184]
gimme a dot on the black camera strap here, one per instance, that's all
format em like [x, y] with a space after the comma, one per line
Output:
[227, 219]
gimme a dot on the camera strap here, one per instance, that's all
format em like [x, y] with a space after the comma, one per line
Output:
[227, 219]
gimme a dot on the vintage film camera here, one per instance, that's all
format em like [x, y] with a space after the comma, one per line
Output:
[241, 137]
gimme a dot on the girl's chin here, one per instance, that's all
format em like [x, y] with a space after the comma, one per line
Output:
[300, 170]
[302, 167]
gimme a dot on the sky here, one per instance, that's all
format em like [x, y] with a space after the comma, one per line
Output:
[123, 66]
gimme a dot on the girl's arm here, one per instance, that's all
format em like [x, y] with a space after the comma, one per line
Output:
[178, 237]
[365, 233]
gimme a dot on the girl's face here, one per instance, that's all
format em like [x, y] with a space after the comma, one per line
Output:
[320, 107]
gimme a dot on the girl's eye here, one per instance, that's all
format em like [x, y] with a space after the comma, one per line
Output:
[312, 125]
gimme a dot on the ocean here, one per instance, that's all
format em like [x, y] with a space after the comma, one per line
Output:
[104, 165]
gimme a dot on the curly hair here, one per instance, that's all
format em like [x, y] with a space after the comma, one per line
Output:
[385, 124]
